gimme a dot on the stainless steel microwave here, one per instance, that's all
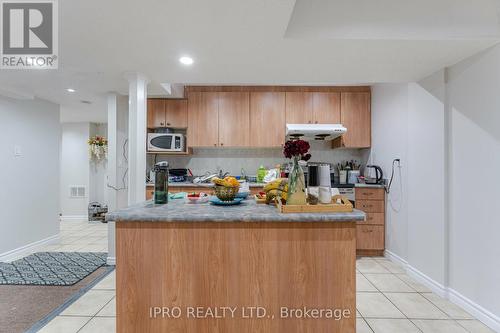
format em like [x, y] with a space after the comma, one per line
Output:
[165, 142]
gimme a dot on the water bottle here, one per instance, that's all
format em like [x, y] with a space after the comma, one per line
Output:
[161, 183]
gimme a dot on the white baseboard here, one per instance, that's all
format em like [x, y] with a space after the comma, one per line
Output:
[73, 218]
[29, 248]
[395, 258]
[485, 316]
[433, 285]
[111, 261]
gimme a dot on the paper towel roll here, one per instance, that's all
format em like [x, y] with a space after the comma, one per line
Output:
[324, 175]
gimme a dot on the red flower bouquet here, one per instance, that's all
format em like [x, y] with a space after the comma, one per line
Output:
[297, 148]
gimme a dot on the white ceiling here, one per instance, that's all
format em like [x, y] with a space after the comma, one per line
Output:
[252, 42]
[395, 19]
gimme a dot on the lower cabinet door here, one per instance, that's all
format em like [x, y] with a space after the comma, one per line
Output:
[150, 191]
[370, 237]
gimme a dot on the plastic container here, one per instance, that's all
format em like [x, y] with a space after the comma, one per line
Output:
[261, 173]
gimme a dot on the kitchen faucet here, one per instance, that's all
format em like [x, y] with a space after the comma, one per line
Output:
[222, 174]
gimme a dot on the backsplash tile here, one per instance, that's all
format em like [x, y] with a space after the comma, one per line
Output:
[233, 159]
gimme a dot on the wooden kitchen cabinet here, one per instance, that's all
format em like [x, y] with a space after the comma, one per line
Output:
[312, 107]
[367, 193]
[234, 119]
[299, 107]
[203, 119]
[370, 237]
[156, 112]
[355, 115]
[167, 113]
[150, 192]
[176, 113]
[256, 116]
[370, 206]
[267, 119]
[326, 108]
[150, 189]
[370, 234]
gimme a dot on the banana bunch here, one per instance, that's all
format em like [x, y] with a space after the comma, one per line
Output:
[276, 189]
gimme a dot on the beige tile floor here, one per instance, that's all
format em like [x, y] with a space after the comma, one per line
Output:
[388, 300]
[81, 236]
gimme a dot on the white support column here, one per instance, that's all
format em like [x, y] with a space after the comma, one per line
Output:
[111, 172]
[117, 186]
[137, 137]
[112, 151]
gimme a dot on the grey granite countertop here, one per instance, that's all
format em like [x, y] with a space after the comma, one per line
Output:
[248, 211]
[185, 184]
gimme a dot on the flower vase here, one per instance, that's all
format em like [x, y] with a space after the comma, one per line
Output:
[296, 185]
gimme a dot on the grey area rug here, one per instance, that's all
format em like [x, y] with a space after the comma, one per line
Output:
[51, 268]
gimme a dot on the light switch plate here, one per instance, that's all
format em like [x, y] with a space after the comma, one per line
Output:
[17, 151]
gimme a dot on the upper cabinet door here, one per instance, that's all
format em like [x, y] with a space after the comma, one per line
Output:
[203, 125]
[156, 113]
[176, 113]
[356, 117]
[234, 119]
[326, 108]
[267, 119]
[299, 107]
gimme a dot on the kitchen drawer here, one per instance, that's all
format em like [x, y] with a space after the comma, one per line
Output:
[370, 237]
[371, 206]
[363, 193]
[373, 219]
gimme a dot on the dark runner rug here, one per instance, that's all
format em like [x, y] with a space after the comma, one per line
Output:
[23, 307]
[51, 268]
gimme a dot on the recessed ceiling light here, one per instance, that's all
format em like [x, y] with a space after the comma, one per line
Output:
[71, 90]
[186, 60]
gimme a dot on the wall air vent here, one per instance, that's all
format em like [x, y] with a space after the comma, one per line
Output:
[77, 191]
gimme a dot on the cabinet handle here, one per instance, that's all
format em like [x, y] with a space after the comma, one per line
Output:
[161, 124]
[215, 145]
[316, 122]
[309, 122]
[168, 124]
[221, 144]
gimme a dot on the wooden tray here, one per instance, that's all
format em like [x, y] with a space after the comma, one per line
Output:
[344, 207]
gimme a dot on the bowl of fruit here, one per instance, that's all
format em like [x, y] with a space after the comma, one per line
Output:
[227, 188]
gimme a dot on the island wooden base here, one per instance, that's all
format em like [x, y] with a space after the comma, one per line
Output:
[202, 268]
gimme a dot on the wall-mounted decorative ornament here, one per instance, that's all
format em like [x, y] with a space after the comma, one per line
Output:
[98, 148]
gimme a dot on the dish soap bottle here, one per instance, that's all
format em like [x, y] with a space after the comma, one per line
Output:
[261, 173]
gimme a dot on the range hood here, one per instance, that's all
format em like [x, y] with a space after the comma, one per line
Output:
[314, 131]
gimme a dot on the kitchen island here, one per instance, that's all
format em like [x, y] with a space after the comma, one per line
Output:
[247, 268]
